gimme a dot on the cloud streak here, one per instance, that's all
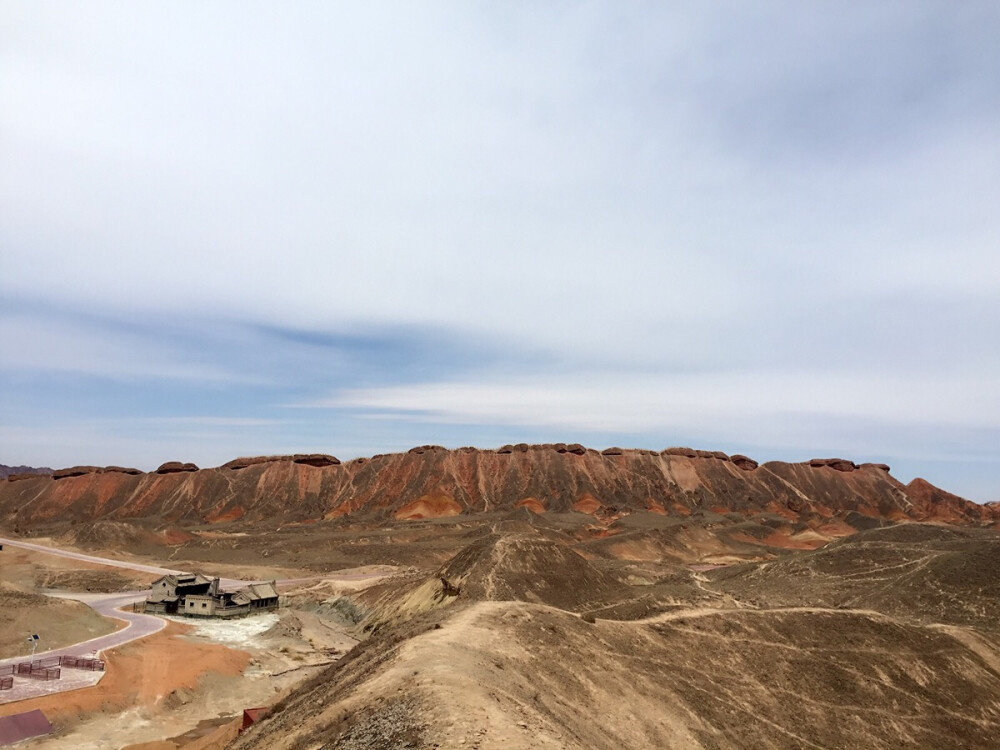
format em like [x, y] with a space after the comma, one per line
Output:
[620, 220]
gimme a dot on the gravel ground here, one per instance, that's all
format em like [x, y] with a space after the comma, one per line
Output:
[244, 631]
[393, 725]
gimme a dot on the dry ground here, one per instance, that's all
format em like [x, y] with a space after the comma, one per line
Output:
[518, 675]
[171, 684]
[501, 648]
[175, 681]
[525, 632]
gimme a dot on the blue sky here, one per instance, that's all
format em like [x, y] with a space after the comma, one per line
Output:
[242, 228]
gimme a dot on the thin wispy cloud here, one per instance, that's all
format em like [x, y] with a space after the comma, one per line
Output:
[764, 225]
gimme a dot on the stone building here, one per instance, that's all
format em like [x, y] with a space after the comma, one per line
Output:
[167, 594]
[194, 595]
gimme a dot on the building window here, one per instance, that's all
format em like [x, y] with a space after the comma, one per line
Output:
[204, 604]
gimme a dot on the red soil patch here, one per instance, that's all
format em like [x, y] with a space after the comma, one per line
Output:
[782, 510]
[233, 514]
[779, 539]
[587, 504]
[599, 532]
[176, 536]
[836, 528]
[141, 673]
[654, 507]
[434, 505]
[531, 503]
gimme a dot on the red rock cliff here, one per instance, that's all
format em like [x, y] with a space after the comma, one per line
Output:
[433, 481]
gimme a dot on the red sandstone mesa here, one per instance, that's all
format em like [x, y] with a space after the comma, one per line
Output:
[557, 478]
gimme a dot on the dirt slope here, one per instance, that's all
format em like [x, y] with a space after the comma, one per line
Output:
[433, 481]
[926, 573]
[516, 675]
[522, 565]
[884, 640]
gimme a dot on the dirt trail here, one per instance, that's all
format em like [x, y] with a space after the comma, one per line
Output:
[975, 642]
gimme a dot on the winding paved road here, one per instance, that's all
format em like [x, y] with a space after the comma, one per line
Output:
[139, 625]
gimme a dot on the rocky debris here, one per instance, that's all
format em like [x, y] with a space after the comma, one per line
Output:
[316, 459]
[840, 464]
[389, 725]
[448, 588]
[121, 470]
[611, 452]
[75, 471]
[883, 467]
[426, 449]
[288, 626]
[743, 462]
[175, 467]
[576, 449]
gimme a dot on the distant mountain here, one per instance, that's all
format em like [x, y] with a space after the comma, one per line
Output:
[6, 471]
[431, 481]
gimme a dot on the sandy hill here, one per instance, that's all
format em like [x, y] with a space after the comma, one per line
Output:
[515, 675]
[508, 563]
[883, 640]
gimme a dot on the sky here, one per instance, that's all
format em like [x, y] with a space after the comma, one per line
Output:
[250, 228]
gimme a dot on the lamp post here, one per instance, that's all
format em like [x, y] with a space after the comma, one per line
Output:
[33, 640]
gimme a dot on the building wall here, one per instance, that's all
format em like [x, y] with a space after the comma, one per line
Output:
[199, 606]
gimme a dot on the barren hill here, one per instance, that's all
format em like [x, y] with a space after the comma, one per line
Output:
[433, 482]
[792, 659]
[930, 573]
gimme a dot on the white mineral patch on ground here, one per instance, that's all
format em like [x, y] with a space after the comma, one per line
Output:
[243, 631]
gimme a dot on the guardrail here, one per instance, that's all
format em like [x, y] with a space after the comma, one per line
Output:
[36, 672]
[81, 662]
[48, 668]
